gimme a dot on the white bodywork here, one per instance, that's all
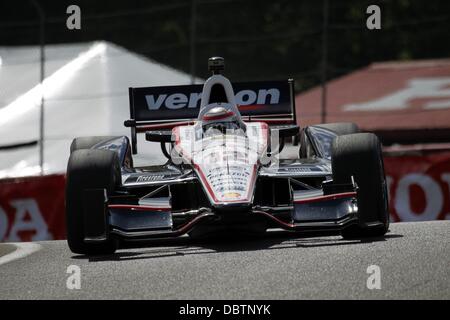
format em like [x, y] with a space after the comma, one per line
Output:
[226, 163]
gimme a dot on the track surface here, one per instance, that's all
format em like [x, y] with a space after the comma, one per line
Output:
[414, 259]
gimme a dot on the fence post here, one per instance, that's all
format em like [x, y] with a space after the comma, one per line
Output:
[193, 31]
[323, 114]
[41, 14]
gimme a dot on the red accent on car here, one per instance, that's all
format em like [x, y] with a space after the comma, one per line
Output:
[137, 207]
[168, 125]
[251, 107]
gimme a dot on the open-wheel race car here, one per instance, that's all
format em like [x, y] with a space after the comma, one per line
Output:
[224, 172]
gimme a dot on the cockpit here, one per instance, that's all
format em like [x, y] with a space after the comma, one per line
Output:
[222, 118]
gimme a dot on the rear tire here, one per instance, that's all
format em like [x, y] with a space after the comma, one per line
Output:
[359, 155]
[88, 169]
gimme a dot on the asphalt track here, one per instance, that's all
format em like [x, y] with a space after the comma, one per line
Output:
[414, 260]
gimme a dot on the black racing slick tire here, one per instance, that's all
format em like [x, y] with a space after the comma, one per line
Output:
[88, 142]
[359, 155]
[88, 169]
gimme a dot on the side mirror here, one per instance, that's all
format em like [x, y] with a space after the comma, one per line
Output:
[158, 136]
[286, 130]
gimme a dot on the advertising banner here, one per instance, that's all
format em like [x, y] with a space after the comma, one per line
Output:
[32, 208]
[419, 186]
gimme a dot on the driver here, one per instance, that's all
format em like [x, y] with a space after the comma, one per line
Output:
[221, 119]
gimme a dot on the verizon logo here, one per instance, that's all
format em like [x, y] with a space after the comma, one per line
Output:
[180, 100]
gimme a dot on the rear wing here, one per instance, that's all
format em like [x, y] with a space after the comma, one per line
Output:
[159, 108]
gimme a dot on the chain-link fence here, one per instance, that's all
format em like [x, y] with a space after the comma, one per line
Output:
[310, 41]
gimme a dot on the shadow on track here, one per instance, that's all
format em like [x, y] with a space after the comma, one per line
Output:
[160, 248]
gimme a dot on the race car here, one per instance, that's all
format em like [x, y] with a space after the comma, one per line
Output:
[224, 172]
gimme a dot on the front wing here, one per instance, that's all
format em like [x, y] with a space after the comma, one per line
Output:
[331, 209]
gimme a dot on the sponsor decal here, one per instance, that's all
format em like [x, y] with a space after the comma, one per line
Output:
[183, 102]
[176, 101]
[301, 169]
[173, 101]
[148, 178]
[231, 195]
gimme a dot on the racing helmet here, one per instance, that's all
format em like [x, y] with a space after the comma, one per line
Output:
[220, 118]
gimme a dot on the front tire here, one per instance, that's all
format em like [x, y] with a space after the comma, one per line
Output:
[339, 128]
[88, 142]
[359, 155]
[88, 169]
